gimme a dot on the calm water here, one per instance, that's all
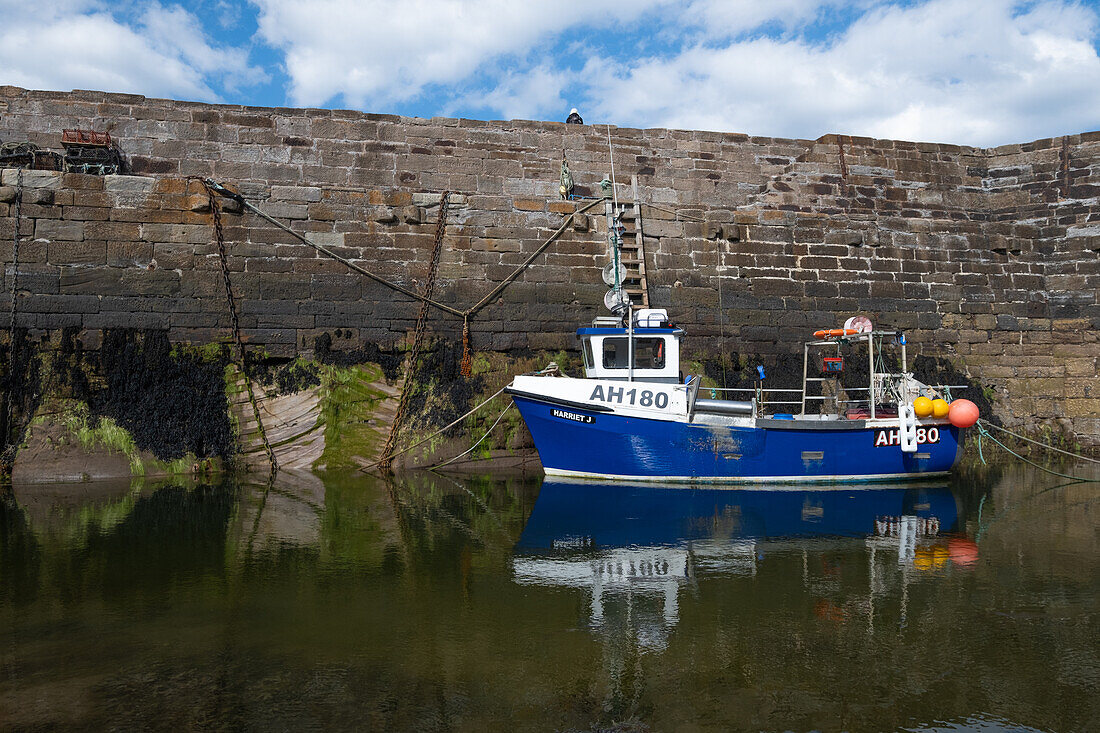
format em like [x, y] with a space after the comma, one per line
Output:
[478, 604]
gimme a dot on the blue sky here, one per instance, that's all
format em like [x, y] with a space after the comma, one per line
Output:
[979, 72]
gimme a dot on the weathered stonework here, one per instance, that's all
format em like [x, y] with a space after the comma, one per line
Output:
[987, 256]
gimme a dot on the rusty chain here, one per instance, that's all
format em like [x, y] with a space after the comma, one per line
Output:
[467, 357]
[13, 290]
[219, 233]
[421, 326]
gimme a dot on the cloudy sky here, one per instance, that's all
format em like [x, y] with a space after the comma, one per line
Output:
[979, 72]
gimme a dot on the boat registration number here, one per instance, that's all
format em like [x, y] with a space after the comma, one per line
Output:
[574, 416]
[634, 396]
[890, 437]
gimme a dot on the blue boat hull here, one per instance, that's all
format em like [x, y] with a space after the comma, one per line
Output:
[595, 444]
[625, 515]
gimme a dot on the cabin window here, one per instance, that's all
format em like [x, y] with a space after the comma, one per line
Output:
[649, 353]
[586, 347]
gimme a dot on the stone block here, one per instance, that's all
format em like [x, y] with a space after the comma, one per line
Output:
[129, 254]
[293, 287]
[1088, 408]
[58, 230]
[384, 215]
[411, 214]
[298, 194]
[77, 253]
[129, 184]
[526, 204]
[285, 210]
[199, 202]
[328, 240]
[92, 281]
[30, 178]
[39, 196]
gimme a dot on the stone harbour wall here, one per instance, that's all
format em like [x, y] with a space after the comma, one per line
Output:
[989, 257]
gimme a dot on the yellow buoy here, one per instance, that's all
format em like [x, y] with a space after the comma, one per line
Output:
[940, 408]
[922, 406]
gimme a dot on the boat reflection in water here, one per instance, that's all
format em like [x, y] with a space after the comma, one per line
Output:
[636, 546]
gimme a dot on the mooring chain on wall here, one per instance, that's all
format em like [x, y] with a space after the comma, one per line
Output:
[212, 187]
[466, 314]
[222, 190]
[418, 333]
[467, 357]
[13, 290]
[219, 234]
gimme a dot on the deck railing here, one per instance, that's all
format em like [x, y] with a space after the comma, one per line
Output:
[763, 394]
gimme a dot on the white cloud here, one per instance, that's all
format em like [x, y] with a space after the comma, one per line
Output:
[965, 71]
[535, 94]
[968, 71]
[973, 71]
[379, 51]
[78, 44]
[729, 18]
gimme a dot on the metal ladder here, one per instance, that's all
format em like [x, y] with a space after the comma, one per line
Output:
[632, 250]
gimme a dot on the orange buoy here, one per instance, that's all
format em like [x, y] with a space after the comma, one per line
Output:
[922, 406]
[963, 551]
[940, 408]
[962, 413]
[830, 333]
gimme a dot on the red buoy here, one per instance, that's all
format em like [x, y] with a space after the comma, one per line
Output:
[962, 413]
[963, 551]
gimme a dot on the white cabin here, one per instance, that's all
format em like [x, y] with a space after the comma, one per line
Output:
[653, 341]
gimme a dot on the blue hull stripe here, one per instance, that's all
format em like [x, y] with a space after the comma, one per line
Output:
[625, 515]
[599, 445]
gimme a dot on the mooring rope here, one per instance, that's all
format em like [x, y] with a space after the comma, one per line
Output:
[463, 314]
[444, 429]
[1044, 445]
[481, 440]
[983, 433]
[392, 285]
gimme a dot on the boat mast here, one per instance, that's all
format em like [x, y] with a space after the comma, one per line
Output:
[871, 370]
[615, 247]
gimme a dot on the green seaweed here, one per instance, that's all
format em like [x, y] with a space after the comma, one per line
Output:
[103, 433]
[349, 404]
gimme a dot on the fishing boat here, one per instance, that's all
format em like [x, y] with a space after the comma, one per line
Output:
[635, 416]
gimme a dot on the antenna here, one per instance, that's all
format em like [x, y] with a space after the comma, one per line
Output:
[614, 190]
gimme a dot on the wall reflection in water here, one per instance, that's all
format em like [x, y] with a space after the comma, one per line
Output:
[436, 603]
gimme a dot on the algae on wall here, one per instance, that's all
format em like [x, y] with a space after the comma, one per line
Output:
[163, 407]
[357, 406]
[103, 434]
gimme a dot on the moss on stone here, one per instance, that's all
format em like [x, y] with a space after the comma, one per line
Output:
[350, 398]
[103, 433]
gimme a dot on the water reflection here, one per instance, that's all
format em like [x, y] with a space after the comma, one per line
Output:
[640, 545]
[434, 603]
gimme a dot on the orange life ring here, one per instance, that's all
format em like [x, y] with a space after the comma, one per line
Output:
[835, 333]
